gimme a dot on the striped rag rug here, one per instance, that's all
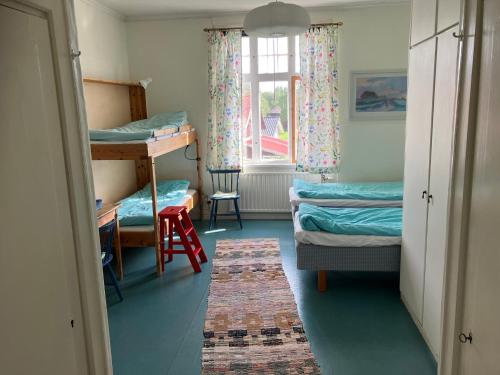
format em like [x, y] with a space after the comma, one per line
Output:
[252, 325]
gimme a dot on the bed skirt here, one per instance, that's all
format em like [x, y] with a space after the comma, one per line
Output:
[326, 258]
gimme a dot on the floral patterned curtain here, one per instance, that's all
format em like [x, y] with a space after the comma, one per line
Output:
[318, 125]
[224, 85]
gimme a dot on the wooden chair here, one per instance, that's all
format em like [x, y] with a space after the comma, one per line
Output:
[225, 186]
[106, 235]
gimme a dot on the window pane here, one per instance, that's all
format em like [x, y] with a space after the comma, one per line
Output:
[273, 55]
[273, 99]
[246, 116]
[297, 54]
[245, 46]
[282, 46]
[263, 65]
[282, 66]
[262, 46]
[245, 65]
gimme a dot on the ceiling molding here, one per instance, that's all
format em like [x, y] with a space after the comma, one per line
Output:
[208, 15]
[104, 8]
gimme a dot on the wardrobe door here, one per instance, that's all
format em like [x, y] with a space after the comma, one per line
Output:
[439, 184]
[417, 150]
[448, 13]
[423, 20]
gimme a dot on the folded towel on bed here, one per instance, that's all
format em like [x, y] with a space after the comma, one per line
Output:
[142, 129]
[366, 221]
[358, 190]
[137, 209]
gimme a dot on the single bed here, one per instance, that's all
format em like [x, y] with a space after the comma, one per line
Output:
[323, 251]
[382, 194]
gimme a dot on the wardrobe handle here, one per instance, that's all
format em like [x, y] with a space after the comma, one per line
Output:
[429, 198]
[424, 194]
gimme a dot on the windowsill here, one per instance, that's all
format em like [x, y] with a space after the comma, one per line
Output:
[285, 167]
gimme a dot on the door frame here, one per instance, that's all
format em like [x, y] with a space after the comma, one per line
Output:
[461, 184]
[69, 85]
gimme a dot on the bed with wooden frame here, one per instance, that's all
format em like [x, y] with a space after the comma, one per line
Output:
[144, 153]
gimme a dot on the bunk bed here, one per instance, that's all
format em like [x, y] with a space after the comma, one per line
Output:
[144, 153]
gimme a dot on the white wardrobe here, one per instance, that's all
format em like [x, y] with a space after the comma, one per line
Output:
[430, 123]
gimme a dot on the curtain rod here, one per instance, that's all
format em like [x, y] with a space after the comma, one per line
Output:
[241, 28]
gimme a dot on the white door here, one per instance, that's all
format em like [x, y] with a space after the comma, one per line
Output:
[417, 153]
[482, 277]
[42, 324]
[439, 184]
[423, 20]
[448, 13]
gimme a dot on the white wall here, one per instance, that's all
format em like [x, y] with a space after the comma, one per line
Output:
[102, 37]
[174, 54]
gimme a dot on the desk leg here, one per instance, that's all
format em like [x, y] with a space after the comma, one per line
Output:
[118, 249]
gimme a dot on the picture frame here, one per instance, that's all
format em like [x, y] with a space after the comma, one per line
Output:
[378, 95]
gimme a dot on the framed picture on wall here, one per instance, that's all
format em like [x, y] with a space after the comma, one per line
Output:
[378, 95]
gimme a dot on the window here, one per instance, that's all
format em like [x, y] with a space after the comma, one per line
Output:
[268, 65]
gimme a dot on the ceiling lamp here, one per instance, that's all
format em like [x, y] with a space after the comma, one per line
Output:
[276, 19]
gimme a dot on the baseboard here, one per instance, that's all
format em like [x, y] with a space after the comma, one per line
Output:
[419, 327]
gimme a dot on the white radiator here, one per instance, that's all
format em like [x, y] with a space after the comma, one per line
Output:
[268, 192]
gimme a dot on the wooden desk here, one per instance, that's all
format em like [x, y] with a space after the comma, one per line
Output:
[107, 213]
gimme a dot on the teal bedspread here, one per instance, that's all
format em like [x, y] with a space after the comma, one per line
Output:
[360, 190]
[137, 209]
[352, 221]
[142, 129]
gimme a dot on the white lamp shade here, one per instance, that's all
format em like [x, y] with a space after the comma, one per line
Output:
[276, 19]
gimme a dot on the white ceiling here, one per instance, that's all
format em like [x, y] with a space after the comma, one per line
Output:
[172, 8]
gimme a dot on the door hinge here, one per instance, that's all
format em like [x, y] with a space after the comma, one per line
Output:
[74, 54]
[464, 339]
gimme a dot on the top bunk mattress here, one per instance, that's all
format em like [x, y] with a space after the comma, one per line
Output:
[295, 200]
[160, 124]
[137, 209]
[371, 191]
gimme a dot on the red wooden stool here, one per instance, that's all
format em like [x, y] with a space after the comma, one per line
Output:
[179, 220]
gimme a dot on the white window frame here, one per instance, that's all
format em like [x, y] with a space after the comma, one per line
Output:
[255, 78]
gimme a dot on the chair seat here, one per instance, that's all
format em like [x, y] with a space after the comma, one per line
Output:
[222, 196]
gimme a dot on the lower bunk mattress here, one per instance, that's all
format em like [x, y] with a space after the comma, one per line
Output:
[143, 235]
[318, 250]
[137, 209]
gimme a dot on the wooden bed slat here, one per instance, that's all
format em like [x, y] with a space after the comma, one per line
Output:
[138, 109]
[166, 145]
[135, 151]
[112, 82]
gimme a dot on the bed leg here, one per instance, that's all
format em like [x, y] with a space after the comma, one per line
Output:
[322, 281]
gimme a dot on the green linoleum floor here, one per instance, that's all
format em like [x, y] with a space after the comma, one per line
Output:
[359, 326]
